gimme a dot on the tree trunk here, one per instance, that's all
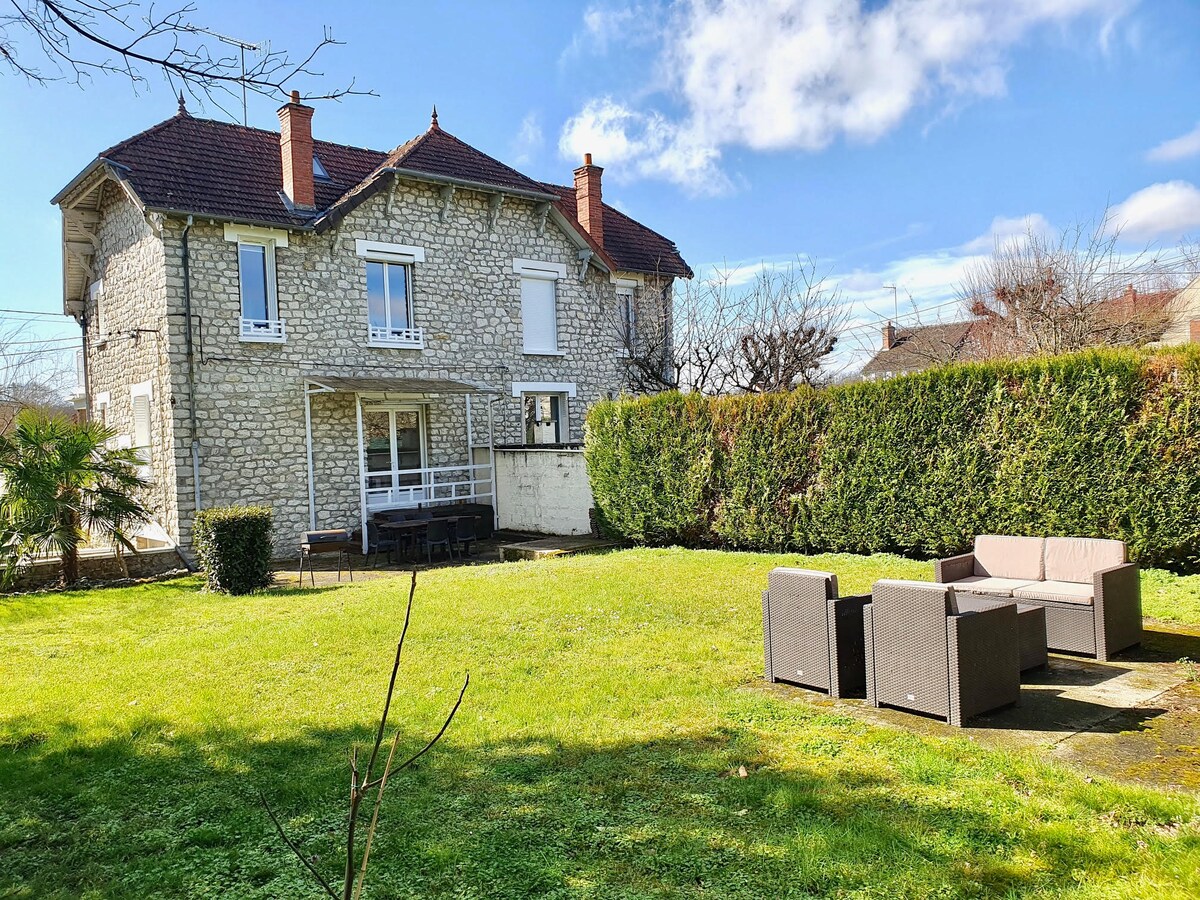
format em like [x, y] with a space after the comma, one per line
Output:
[70, 553]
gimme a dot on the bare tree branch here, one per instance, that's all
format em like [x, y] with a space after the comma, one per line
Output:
[80, 38]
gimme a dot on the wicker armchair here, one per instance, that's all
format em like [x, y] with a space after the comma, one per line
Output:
[811, 636]
[925, 655]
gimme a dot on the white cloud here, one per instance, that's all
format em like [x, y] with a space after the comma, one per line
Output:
[1166, 209]
[800, 74]
[1182, 147]
[529, 139]
[1004, 231]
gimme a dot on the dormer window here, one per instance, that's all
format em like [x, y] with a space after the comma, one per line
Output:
[319, 170]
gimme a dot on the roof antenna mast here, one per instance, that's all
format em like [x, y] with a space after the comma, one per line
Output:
[242, 46]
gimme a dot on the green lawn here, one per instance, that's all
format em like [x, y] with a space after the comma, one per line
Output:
[613, 700]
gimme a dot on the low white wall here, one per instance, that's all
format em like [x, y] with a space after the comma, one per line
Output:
[546, 491]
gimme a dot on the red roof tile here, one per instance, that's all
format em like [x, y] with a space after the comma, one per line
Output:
[230, 171]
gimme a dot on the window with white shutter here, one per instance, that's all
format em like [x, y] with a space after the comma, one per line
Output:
[538, 315]
[143, 440]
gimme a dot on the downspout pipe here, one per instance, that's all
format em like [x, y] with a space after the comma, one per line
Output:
[193, 428]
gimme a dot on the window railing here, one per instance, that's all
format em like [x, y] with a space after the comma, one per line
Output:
[410, 338]
[441, 484]
[268, 331]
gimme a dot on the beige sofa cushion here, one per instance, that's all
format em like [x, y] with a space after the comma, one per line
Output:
[1057, 591]
[987, 584]
[1078, 559]
[1009, 557]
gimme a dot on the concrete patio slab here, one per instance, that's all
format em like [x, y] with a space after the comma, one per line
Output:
[1136, 718]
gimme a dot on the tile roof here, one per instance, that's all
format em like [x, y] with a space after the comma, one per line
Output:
[632, 246]
[230, 171]
[919, 348]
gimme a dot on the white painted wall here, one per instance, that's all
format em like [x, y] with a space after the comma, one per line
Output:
[545, 491]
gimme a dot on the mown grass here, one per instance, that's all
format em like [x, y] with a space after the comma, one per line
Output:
[613, 700]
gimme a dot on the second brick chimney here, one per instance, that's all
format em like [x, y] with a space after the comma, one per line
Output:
[296, 149]
[889, 336]
[589, 209]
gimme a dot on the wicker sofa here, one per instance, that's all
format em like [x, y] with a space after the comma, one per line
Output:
[811, 636]
[926, 654]
[1091, 594]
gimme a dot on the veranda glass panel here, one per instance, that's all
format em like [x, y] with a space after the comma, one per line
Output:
[408, 445]
[377, 445]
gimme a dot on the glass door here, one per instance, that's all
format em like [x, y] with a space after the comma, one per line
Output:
[393, 442]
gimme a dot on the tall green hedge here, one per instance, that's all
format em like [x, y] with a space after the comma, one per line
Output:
[1101, 443]
[234, 547]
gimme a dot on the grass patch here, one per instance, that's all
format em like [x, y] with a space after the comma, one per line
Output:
[597, 755]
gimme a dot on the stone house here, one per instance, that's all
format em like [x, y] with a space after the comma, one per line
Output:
[332, 330]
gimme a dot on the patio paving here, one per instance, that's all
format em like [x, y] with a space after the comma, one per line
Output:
[1135, 718]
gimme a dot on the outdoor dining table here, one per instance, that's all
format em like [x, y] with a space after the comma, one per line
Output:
[416, 525]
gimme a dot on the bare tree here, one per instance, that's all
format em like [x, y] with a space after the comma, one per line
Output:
[34, 372]
[1067, 291]
[73, 40]
[725, 333]
[365, 782]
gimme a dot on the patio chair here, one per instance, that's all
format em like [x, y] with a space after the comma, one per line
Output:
[437, 534]
[926, 655]
[811, 636]
[378, 543]
[464, 535]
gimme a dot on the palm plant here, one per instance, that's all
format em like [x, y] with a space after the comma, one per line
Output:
[61, 485]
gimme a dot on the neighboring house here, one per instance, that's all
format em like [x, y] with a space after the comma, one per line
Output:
[329, 329]
[907, 350]
[1151, 318]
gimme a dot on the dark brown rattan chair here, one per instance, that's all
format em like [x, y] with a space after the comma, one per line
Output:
[811, 636]
[926, 655]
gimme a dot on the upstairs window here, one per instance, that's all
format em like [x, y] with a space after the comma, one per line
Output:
[256, 282]
[389, 302]
[539, 305]
[627, 315]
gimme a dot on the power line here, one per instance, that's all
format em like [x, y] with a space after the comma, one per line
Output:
[33, 312]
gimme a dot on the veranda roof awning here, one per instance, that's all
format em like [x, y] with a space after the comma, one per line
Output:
[394, 385]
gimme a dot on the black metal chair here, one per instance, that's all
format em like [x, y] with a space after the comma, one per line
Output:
[464, 535]
[437, 534]
[378, 543]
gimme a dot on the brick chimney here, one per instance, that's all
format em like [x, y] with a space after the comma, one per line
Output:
[296, 149]
[589, 209]
[1194, 331]
[889, 336]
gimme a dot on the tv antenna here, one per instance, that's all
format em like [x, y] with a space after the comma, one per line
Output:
[242, 46]
[895, 298]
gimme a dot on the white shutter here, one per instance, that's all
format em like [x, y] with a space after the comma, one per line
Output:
[538, 315]
[141, 421]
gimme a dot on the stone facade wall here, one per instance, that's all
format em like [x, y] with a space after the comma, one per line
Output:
[544, 491]
[466, 296]
[127, 340]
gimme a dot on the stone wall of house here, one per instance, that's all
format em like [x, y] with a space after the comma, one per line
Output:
[466, 295]
[128, 340]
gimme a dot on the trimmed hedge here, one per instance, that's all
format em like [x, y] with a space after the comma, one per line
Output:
[234, 547]
[1100, 443]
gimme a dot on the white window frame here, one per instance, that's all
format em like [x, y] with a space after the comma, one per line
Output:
[143, 390]
[96, 296]
[384, 251]
[100, 404]
[411, 338]
[564, 415]
[273, 329]
[627, 313]
[540, 271]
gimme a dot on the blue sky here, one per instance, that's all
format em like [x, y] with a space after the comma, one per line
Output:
[887, 141]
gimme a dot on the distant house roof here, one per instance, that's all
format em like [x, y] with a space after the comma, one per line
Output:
[915, 349]
[226, 171]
